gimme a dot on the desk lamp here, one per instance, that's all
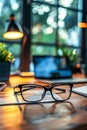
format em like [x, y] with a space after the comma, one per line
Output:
[13, 29]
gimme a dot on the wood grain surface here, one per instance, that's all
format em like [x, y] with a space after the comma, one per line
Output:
[70, 115]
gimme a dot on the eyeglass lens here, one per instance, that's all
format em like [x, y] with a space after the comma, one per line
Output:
[32, 93]
[61, 92]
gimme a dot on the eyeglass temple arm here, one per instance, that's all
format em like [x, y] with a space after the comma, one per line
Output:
[16, 92]
[60, 89]
[33, 87]
[63, 90]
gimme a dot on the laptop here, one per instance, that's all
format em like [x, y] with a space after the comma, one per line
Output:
[54, 70]
[51, 67]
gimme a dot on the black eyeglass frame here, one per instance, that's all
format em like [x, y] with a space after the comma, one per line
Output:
[49, 88]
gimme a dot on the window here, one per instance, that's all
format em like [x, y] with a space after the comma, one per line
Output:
[55, 24]
[51, 24]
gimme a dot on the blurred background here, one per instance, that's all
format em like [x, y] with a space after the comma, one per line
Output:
[51, 27]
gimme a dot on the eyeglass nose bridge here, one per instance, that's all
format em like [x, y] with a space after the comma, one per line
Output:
[48, 89]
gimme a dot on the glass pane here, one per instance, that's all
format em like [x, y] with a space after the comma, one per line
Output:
[43, 50]
[15, 49]
[7, 7]
[68, 32]
[43, 23]
[71, 3]
[48, 1]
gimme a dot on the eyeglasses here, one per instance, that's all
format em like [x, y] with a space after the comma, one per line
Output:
[35, 92]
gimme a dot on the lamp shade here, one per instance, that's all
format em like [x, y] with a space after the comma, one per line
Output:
[13, 29]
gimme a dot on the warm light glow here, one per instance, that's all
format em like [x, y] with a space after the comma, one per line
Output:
[82, 25]
[13, 29]
[13, 35]
[78, 66]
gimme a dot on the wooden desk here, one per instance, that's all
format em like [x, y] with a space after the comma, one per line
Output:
[70, 115]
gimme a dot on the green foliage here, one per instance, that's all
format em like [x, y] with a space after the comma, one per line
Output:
[5, 54]
[72, 54]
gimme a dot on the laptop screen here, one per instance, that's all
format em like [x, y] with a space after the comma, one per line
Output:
[51, 67]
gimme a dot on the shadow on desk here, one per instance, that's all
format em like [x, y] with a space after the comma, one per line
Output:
[53, 116]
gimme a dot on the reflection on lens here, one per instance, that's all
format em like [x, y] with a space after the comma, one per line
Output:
[61, 92]
[32, 93]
